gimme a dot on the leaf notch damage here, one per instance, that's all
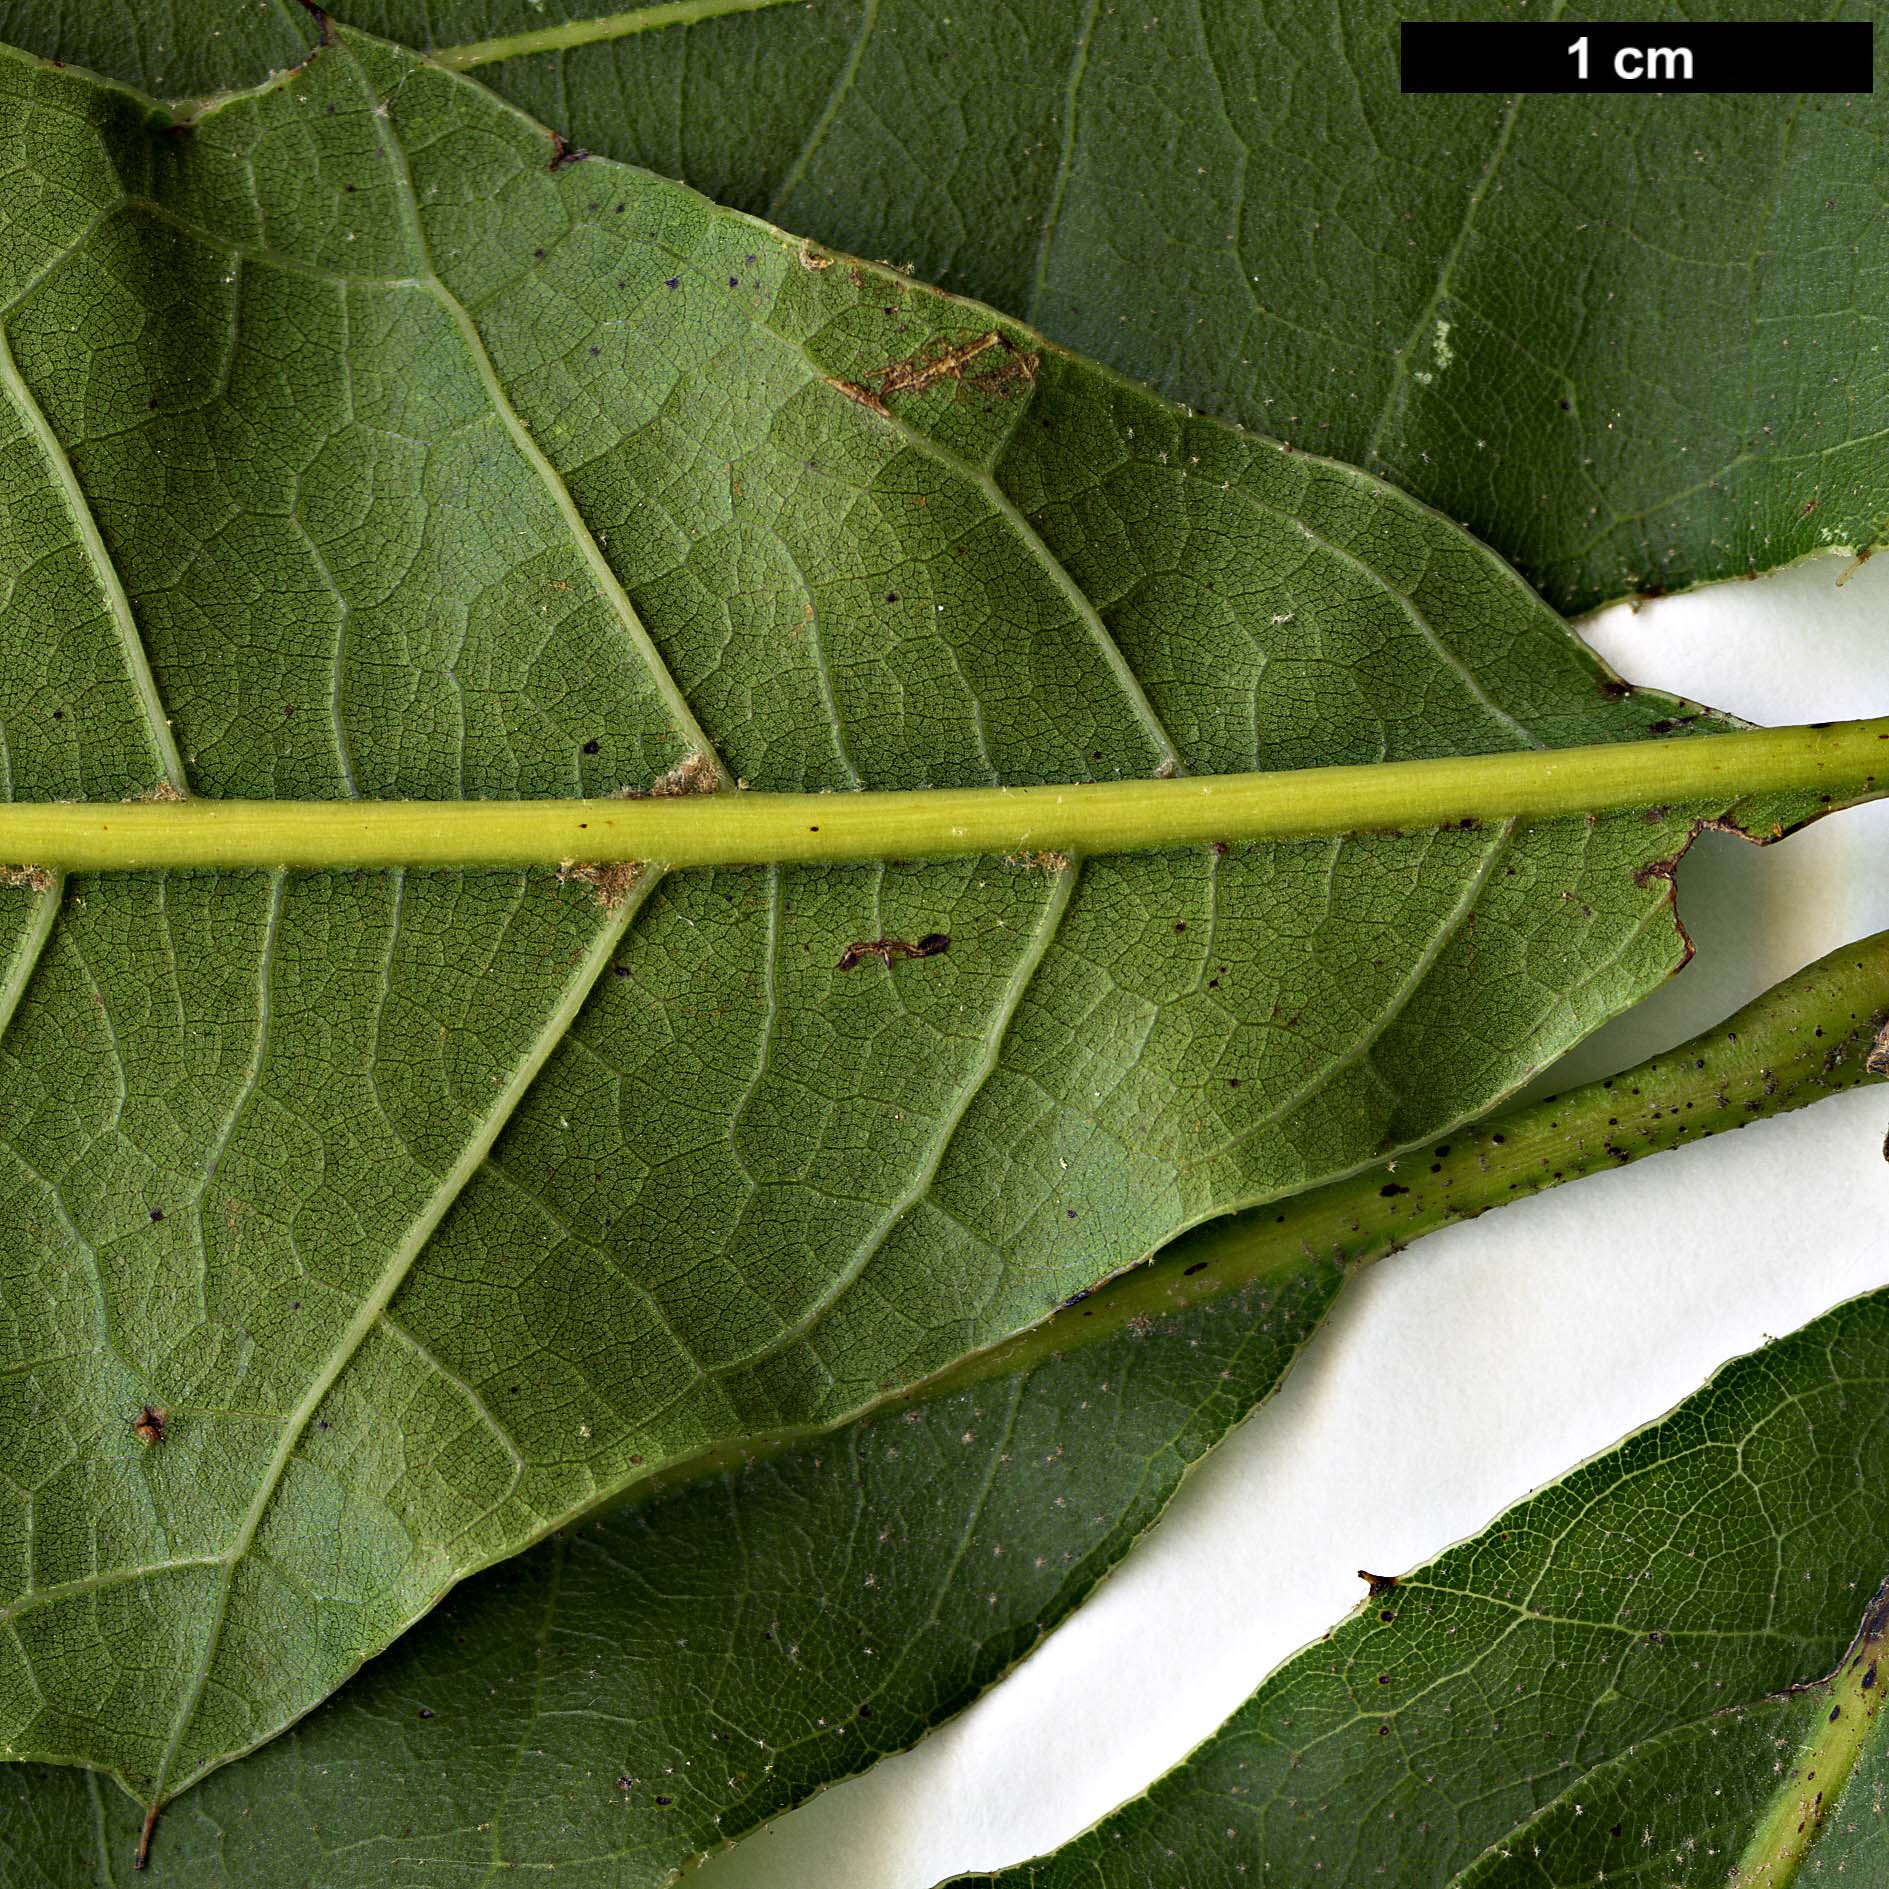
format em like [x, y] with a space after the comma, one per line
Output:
[1664, 870]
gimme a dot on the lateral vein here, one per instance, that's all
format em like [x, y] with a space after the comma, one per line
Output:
[374, 1303]
[105, 572]
[602, 573]
[1048, 925]
[604, 26]
[32, 947]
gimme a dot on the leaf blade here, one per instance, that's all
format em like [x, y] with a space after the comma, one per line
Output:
[1599, 1681]
[1393, 297]
[785, 1624]
[558, 1239]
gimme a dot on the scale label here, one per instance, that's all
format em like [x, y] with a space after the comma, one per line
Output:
[1641, 56]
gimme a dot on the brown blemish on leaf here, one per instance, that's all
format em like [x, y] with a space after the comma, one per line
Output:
[150, 1426]
[1666, 867]
[163, 794]
[863, 395]
[934, 363]
[693, 774]
[886, 949]
[1378, 1583]
[26, 878]
[1039, 862]
[940, 361]
[1877, 1062]
[612, 882]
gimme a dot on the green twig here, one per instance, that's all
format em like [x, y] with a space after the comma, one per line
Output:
[1812, 1035]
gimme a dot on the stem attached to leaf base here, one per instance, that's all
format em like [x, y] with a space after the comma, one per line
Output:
[1834, 764]
[1817, 1033]
[1813, 1035]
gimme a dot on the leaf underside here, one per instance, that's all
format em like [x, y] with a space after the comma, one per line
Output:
[1630, 341]
[1648, 1672]
[658, 1683]
[627, 1697]
[357, 446]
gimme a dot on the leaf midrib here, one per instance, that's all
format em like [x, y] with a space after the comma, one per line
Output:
[1497, 1849]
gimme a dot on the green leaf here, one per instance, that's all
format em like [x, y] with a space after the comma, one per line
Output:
[786, 1626]
[361, 446]
[1630, 341]
[655, 1684]
[1662, 1669]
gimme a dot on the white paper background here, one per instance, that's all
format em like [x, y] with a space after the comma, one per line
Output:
[1488, 1359]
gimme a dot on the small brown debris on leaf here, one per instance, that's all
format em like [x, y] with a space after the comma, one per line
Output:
[693, 774]
[939, 361]
[863, 395]
[26, 878]
[1039, 862]
[612, 882]
[935, 362]
[150, 1426]
[1877, 1062]
[1378, 1583]
[886, 949]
